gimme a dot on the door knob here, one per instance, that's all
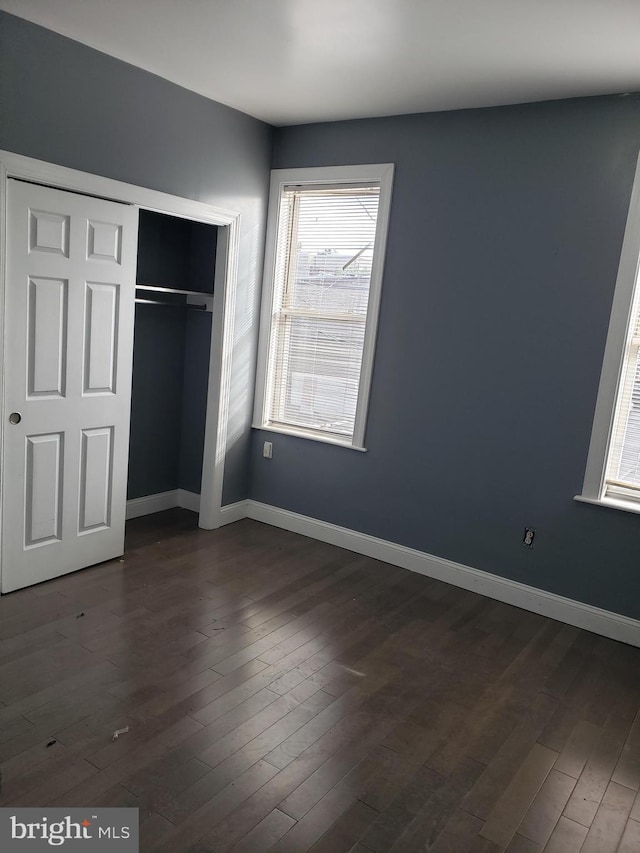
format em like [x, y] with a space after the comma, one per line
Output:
[15, 418]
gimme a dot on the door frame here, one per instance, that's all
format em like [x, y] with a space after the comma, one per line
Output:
[224, 298]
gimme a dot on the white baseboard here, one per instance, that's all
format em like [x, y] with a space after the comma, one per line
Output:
[188, 500]
[604, 622]
[152, 503]
[149, 504]
[234, 512]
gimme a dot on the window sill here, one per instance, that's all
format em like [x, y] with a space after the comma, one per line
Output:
[323, 439]
[611, 503]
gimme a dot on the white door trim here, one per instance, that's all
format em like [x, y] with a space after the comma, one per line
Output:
[60, 177]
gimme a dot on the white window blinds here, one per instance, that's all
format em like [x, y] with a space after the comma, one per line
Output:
[322, 276]
[622, 476]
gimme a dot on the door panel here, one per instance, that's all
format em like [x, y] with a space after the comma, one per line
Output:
[101, 332]
[47, 337]
[68, 350]
[103, 241]
[95, 479]
[49, 232]
[43, 511]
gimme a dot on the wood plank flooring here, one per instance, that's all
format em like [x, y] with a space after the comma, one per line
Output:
[284, 695]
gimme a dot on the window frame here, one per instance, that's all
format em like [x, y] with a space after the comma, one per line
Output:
[379, 173]
[611, 376]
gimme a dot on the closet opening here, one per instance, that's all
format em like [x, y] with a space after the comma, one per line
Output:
[171, 360]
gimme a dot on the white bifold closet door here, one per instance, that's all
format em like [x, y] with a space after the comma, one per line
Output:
[70, 289]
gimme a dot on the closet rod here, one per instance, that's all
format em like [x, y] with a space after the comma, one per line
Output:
[185, 305]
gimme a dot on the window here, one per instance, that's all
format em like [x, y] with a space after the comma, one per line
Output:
[613, 467]
[323, 269]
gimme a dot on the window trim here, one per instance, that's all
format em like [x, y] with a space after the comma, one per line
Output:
[619, 329]
[381, 173]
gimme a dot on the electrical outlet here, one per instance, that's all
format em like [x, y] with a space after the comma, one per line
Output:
[528, 537]
[267, 450]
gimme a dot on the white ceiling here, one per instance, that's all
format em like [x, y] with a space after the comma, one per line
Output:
[295, 61]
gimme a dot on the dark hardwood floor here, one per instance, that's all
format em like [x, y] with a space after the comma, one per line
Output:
[285, 695]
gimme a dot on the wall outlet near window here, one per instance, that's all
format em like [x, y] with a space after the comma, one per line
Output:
[528, 537]
[267, 449]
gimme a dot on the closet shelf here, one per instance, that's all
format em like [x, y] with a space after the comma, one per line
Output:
[184, 306]
[156, 289]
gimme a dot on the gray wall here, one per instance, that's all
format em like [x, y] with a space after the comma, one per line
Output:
[68, 104]
[505, 236]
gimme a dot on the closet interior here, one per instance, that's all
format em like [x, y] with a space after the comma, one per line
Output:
[171, 351]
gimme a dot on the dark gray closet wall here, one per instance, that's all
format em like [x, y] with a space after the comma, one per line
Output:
[170, 357]
[194, 399]
[176, 252]
[168, 400]
[156, 401]
[66, 103]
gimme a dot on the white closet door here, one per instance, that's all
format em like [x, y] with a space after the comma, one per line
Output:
[70, 290]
